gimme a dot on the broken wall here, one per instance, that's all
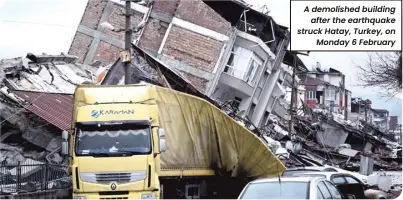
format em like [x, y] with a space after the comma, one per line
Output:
[331, 136]
[191, 50]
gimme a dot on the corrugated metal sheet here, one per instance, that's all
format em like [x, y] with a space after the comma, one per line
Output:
[56, 109]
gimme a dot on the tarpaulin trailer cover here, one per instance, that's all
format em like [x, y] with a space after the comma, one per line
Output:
[198, 134]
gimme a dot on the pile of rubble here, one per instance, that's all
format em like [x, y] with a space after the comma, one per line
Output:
[25, 83]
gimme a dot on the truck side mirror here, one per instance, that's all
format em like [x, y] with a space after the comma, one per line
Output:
[65, 136]
[65, 148]
[65, 143]
[162, 141]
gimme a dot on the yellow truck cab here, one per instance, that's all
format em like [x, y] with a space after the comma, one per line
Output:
[114, 144]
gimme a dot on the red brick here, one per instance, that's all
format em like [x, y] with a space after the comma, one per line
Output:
[107, 53]
[152, 36]
[117, 19]
[93, 13]
[193, 49]
[197, 12]
[80, 46]
[166, 7]
[199, 83]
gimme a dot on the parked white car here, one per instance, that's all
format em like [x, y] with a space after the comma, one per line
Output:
[290, 188]
[348, 184]
[326, 168]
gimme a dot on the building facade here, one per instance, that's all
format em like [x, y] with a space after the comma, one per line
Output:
[324, 90]
[227, 50]
[393, 123]
[381, 119]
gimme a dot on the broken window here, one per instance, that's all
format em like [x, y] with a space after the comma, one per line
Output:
[251, 111]
[244, 64]
[265, 118]
[237, 101]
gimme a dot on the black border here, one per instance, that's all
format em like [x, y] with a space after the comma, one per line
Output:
[401, 29]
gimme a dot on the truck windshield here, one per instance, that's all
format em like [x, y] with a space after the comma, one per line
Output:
[113, 140]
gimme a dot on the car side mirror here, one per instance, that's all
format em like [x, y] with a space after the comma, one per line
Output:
[162, 141]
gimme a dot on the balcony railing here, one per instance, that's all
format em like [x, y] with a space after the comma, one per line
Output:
[32, 177]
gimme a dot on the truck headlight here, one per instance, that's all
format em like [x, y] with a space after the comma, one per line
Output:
[148, 196]
[81, 197]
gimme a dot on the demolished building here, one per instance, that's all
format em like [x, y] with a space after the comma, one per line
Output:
[44, 97]
[226, 49]
[34, 92]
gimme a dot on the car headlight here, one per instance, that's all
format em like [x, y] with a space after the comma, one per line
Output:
[148, 196]
[81, 197]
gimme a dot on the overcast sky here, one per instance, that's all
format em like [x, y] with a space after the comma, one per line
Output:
[49, 26]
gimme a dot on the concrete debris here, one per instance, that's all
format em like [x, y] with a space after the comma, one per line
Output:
[11, 155]
[35, 73]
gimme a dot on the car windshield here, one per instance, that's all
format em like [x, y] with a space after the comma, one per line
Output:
[277, 190]
[113, 140]
[292, 172]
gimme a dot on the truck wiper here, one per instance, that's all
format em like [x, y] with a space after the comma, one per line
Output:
[131, 152]
[101, 154]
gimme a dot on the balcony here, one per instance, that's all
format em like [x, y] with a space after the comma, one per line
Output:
[236, 83]
[281, 108]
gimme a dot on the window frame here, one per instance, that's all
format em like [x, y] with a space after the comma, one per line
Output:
[309, 95]
[255, 63]
[355, 179]
[251, 79]
[329, 184]
[324, 184]
[338, 176]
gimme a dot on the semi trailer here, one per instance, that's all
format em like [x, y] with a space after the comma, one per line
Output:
[146, 142]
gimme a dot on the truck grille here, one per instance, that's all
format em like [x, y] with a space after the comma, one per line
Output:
[107, 178]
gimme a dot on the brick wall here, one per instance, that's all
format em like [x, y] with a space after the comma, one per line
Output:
[117, 19]
[186, 46]
[197, 12]
[193, 49]
[166, 7]
[93, 13]
[153, 35]
[199, 83]
[107, 53]
[80, 46]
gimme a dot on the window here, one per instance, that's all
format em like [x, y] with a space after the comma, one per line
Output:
[265, 117]
[251, 111]
[263, 79]
[318, 193]
[253, 70]
[237, 101]
[311, 95]
[244, 64]
[323, 189]
[351, 180]
[333, 190]
[338, 180]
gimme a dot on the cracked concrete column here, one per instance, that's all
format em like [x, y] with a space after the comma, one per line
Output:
[270, 84]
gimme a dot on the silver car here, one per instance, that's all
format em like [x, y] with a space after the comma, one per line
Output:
[290, 188]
